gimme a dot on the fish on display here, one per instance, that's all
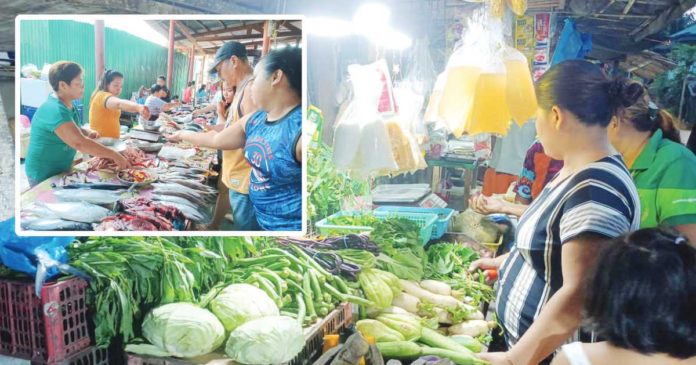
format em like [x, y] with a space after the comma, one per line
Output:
[54, 224]
[78, 211]
[191, 184]
[176, 199]
[189, 212]
[193, 198]
[87, 195]
[99, 186]
[181, 188]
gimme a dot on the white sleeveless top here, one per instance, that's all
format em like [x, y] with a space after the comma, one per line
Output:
[575, 354]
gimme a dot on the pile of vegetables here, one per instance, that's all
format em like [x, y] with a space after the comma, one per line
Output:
[417, 323]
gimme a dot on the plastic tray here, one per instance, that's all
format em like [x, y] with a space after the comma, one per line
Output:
[333, 323]
[444, 215]
[48, 329]
[425, 221]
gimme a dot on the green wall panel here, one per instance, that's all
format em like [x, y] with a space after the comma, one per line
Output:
[139, 60]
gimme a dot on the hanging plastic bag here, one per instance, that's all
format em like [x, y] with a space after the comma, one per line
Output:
[432, 111]
[42, 257]
[490, 113]
[462, 75]
[346, 138]
[519, 7]
[521, 97]
[572, 44]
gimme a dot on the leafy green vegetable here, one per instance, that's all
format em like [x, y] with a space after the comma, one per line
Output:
[183, 330]
[403, 263]
[241, 303]
[268, 340]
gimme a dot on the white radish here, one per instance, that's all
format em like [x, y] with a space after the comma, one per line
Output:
[437, 300]
[374, 313]
[436, 287]
[473, 328]
[474, 313]
[407, 302]
[443, 316]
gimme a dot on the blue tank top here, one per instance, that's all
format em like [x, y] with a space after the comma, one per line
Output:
[276, 176]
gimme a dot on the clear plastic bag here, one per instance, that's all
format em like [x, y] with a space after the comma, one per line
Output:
[521, 97]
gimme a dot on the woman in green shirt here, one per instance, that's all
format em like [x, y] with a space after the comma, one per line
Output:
[663, 169]
[56, 131]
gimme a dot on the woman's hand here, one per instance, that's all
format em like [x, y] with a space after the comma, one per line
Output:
[489, 266]
[221, 111]
[121, 162]
[176, 137]
[486, 205]
[496, 358]
[144, 112]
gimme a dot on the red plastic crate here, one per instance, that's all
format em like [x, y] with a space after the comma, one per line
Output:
[89, 356]
[48, 329]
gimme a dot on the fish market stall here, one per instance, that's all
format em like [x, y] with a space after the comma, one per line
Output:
[165, 189]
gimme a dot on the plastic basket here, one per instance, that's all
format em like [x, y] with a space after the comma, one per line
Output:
[326, 228]
[48, 329]
[425, 221]
[89, 356]
[444, 215]
[333, 323]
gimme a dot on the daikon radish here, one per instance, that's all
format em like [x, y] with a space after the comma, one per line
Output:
[406, 301]
[441, 301]
[436, 287]
[473, 328]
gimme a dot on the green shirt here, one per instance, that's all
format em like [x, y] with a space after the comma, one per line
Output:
[665, 175]
[48, 155]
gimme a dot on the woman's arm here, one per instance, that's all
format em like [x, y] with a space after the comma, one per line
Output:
[689, 231]
[71, 135]
[115, 103]
[230, 138]
[298, 150]
[562, 313]
[207, 109]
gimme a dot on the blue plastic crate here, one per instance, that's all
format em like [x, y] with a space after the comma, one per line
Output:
[444, 215]
[426, 222]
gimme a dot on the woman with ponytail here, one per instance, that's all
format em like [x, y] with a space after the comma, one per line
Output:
[591, 201]
[105, 106]
[663, 169]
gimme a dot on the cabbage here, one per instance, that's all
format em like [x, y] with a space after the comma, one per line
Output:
[269, 340]
[183, 330]
[241, 303]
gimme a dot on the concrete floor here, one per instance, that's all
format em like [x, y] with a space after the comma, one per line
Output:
[7, 173]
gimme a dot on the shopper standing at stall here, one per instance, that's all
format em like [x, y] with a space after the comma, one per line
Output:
[56, 133]
[162, 82]
[663, 169]
[271, 141]
[640, 301]
[590, 201]
[232, 65]
[155, 102]
[105, 106]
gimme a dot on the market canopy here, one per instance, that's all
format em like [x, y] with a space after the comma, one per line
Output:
[208, 35]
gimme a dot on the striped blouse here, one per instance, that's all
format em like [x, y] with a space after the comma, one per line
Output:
[599, 199]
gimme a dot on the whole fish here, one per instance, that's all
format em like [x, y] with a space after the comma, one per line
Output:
[191, 184]
[189, 170]
[176, 199]
[196, 199]
[189, 212]
[55, 224]
[99, 186]
[87, 195]
[181, 188]
[78, 211]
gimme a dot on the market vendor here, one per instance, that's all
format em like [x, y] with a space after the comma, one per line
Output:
[663, 169]
[232, 65]
[56, 132]
[162, 81]
[155, 102]
[105, 106]
[188, 93]
[271, 140]
[591, 200]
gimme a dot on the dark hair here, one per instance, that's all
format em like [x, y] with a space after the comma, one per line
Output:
[583, 89]
[107, 77]
[156, 88]
[65, 71]
[191, 83]
[646, 116]
[161, 77]
[202, 87]
[288, 60]
[641, 294]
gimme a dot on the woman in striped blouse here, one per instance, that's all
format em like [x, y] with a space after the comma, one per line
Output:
[591, 200]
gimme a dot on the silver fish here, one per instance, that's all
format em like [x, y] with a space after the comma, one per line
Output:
[55, 224]
[183, 189]
[87, 196]
[78, 211]
[189, 212]
[176, 199]
[192, 184]
[196, 199]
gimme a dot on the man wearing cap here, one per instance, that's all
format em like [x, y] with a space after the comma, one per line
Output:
[232, 65]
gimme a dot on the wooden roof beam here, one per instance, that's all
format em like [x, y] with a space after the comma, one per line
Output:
[661, 21]
[628, 7]
[223, 31]
[187, 33]
[247, 36]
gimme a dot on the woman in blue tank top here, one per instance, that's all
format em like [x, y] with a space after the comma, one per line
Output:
[271, 141]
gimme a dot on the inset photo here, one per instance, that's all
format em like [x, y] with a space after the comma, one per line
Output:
[179, 125]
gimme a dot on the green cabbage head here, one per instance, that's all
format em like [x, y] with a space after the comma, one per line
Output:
[269, 340]
[241, 303]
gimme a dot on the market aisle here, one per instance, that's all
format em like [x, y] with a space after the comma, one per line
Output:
[6, 166]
